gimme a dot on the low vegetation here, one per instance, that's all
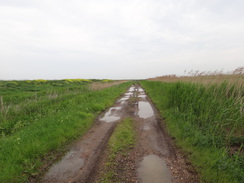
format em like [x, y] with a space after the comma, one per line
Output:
[40, 117]
[207, 122]
[122, 140]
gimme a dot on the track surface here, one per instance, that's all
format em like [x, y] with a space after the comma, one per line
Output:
[155, 158]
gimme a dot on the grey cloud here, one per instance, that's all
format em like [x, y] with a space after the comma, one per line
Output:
[86, 39]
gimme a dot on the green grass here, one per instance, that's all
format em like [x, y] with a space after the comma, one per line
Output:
[207, 122]
[35, 126]
[122, 140]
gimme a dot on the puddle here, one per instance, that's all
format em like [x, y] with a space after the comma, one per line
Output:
[129, 94]
[142, 96]
[153, 169]
[67, 167]
[132, 89]
[124, 98]
[145, 110]
[110, 116]
[122, 101]
[146, 127]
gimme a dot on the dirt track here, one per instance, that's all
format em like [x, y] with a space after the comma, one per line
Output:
[154, 159]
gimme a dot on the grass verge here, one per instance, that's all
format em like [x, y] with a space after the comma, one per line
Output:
[22, 151]
[122, 140]
[207, 122]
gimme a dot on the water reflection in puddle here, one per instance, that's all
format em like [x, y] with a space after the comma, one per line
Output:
[145, 110]
[110, 116]
[154, 169]
[132, 89]
[124, 98]
[129, 94]
[71, 163]
[142, 96]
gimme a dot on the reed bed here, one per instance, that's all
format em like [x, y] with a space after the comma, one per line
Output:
[205, 114]
[235, 77]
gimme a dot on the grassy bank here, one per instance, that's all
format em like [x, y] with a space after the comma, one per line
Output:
[207, 122]
[120, 142]
[38, 122]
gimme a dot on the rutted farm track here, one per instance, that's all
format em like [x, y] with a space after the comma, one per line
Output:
[153, 159]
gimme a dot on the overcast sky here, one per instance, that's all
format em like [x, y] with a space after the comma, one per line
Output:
[118, 39]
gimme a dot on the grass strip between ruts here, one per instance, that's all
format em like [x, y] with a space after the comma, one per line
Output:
[122, 140]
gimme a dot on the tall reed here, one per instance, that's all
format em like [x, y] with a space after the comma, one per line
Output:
[208, 123]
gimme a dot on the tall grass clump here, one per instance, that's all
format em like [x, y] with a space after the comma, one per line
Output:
[37, 127]
[207, 122]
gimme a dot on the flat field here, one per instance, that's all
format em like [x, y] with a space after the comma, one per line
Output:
[77, 130]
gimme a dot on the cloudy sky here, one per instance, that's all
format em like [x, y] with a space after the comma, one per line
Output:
[118, 39]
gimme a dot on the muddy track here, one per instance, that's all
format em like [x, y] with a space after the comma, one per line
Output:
[154, 158]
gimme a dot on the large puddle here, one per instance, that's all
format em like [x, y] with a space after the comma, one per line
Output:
[67, 167]
[145, 110]
[111, 115]
[153, 169]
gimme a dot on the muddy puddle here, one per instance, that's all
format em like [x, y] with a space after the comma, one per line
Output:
[128, 94]
[145, 109]
[125, 98]
[67, 167]
[142, 96]
[132, 89]
[112, 115]
[153, 169]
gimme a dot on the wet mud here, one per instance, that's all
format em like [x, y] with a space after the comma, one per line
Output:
[155, 159]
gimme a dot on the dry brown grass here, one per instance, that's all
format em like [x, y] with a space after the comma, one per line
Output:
[236, 77]
[100, 85]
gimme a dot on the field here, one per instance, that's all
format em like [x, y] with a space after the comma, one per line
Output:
[39, 117]
[205, 115]
[196, 129]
